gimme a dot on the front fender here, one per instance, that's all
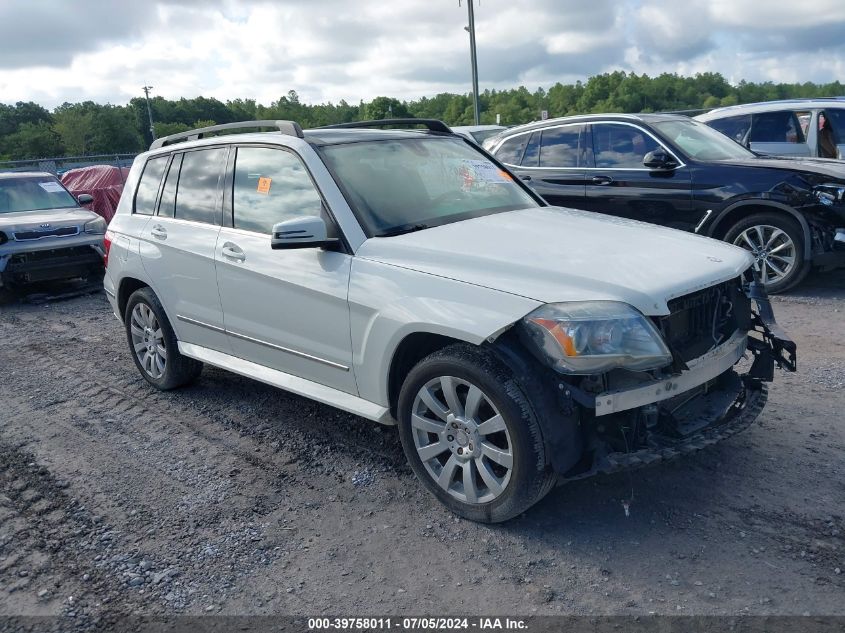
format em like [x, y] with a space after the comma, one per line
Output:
[388, 303]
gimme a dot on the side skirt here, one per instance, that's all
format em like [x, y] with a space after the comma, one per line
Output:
[288, 382]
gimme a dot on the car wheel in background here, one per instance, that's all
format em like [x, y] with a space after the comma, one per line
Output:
[777, 243]
[471, 435]
[153, 344]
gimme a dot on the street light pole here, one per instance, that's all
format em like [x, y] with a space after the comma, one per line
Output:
[473, 59]
[146, 90]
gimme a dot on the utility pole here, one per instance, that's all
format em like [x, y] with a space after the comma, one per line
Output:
[146, 90]
[473, 59]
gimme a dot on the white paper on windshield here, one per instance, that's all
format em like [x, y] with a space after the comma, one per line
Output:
[478, 174]
[51, 186]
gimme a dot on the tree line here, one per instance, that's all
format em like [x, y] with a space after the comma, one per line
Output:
[28, 130]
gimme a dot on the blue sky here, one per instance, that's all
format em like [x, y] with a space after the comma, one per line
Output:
[53, 51]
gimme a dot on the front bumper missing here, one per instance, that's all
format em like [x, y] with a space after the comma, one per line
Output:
[700, 371]
[739, 417]
[773, 347]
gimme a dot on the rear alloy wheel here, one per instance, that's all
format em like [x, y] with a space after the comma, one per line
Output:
[778, 248]
[153, 343]
[471, 435]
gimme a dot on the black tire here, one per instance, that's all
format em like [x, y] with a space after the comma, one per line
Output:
[792, 229]
[531, 476]
[178, 370]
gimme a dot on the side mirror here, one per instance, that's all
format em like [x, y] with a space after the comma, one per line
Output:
[659, 159]
[84, 198]
[307, 231]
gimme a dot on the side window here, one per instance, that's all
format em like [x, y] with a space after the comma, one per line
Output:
[512, 149]
[776, 127]
[735, 127]
[168, 194]
[562, 147]
[532, 151]
[145, 196]
[621, 146]
[197, 195]
[271, 185]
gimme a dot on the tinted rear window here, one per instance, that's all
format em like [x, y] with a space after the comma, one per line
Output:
[145, 197]
[198, 193]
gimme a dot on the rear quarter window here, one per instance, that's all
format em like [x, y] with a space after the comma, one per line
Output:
[145, 196]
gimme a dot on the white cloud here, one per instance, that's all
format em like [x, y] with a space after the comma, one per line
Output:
[335, 49]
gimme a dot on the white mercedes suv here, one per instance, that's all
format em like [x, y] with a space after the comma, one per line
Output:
[406, 276]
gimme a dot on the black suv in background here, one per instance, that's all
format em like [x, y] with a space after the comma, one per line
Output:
[674, 171]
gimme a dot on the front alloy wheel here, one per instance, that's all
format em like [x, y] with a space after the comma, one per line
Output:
[462, 440]
[471, 435]
[777, 243]
[773, 250]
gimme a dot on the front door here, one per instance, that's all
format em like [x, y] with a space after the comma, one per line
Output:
[619, 184]
[284, 309]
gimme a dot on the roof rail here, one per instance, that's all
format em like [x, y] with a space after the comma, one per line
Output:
[434, 125]
[291, 128]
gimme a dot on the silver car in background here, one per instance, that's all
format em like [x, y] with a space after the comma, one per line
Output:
[44, 234]
[793, 127]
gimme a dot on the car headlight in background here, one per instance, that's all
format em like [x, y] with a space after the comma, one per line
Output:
[589, 337]
[96, 226]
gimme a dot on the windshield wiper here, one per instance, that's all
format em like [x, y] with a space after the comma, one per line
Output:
[401, 230]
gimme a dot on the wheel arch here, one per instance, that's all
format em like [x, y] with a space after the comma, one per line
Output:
[410, 351]
[127, 286]
[733, 213]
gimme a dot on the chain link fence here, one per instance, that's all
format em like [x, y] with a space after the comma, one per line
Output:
[60, 164]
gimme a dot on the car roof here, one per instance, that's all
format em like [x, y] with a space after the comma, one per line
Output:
[769, 106]
[330, 136]
[25, 174]
[318, 137]
[644, 117]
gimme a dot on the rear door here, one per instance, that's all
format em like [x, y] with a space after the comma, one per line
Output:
[177, 246]
[284, 309]
[619, 183]
[553, 163]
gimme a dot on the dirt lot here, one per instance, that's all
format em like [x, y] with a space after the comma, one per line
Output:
[233, 497]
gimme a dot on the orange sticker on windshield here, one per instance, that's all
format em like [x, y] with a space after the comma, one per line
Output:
[505, 175]
[264, 185]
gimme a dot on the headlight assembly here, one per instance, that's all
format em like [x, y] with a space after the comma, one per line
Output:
[590, 337]
[96, 226]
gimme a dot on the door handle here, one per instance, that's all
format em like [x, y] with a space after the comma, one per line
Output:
[159, 232]
[602, 180]
[233, 251]
[525, 177]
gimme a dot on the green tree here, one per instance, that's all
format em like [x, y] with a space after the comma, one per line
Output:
[32, 140]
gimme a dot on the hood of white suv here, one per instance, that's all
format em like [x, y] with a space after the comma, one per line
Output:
[552, 254]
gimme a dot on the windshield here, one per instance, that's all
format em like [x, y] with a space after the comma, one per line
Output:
[32, 193]
[700, 141]
[408, 184]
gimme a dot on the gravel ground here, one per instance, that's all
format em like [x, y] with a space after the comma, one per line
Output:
[233, 497]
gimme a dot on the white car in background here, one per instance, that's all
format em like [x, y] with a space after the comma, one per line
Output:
[478, 133]
[406, 277]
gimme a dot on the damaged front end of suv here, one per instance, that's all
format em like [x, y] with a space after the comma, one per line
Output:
[632, 390]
